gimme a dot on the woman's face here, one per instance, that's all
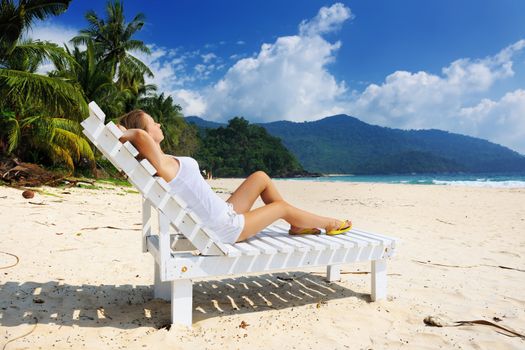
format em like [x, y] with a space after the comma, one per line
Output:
[153, 128]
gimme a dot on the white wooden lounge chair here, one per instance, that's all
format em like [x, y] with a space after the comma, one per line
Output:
[271, 250]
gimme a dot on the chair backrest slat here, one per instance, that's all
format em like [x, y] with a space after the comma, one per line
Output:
[155, 189]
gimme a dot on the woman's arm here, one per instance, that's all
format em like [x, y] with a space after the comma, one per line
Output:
[149, 149]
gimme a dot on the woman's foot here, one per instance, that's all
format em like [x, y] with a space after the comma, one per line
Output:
[338, 227]
[294, 231]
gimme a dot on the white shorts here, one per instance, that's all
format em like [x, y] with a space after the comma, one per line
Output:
[231, 227]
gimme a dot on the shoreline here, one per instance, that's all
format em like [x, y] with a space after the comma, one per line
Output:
[468, 180]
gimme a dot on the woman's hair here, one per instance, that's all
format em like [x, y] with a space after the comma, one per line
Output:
[133, 120]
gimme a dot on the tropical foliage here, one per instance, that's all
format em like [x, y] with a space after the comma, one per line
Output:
[112, 42]
[241, 148]
[38, 114]
[15, 18]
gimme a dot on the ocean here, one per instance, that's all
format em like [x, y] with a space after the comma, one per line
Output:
[472, 180]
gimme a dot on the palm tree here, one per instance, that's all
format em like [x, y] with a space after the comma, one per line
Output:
[38, 113]
[16, 18]
[56, 137]
[20, 84]
[20, 59]
[113, 40]
[95, 79]
[34, 107]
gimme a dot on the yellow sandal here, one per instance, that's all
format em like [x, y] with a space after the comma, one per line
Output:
[345, 226]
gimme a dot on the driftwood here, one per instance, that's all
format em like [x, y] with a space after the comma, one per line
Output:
[17, 173]
[436, 321]
[75, 182]
[14, 264]
[20, 174]
[23, 335]
[469, 266]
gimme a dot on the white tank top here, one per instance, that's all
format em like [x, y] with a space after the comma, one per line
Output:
[191, 187]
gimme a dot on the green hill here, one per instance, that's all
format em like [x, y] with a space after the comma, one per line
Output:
[346, 145]
[241, 148]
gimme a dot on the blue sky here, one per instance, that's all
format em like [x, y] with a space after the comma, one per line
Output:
[452, 65]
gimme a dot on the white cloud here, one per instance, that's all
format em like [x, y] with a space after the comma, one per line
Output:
[287, 79]
[191, 102]
[167, 66]
[51, 31]
[502, 121]
[175, 69]
[329, 19]
[172, 67]
[423, 100]
[204, 70]
[208, 57]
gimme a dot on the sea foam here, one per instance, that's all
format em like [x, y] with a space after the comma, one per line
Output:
[482, 183]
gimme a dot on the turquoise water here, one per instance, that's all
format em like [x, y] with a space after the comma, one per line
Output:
[473, 180]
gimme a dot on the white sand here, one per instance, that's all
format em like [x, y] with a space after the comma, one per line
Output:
[95, 284]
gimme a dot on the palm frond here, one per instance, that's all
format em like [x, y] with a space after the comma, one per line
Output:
[93, 19]
[11, 26]
[27, 121]
[41, 9]
[68, 140]
[82, 38]
[40, 130]
[15, 18]
[10, 128]
[137, 45]
[67, 124]
[135, 25]
[86, 151]
[38, 51]
[60, 138]
[135, 65]
[60, 155]
[53, 94]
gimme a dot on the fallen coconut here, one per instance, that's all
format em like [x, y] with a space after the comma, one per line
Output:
[27, 194]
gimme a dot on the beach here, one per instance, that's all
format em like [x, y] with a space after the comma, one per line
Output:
[80, 280]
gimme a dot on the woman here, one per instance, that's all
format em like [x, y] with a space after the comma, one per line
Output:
[233, 220]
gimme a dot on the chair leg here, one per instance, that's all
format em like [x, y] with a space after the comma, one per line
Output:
[161, 290]
[333, 273]
[182, 302]
[378, 280]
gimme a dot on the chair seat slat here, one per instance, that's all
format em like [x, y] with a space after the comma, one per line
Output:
[314, 245]
[374, 240]
[281, 246]
[296, 244]
[232, 251]
[344, 243]
[329, 243]
[264, 247]
[247, 249]
[387, 240]
[355, 240]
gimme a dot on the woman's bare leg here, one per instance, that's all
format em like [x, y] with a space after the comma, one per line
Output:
[255, 185]
[258, 219]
